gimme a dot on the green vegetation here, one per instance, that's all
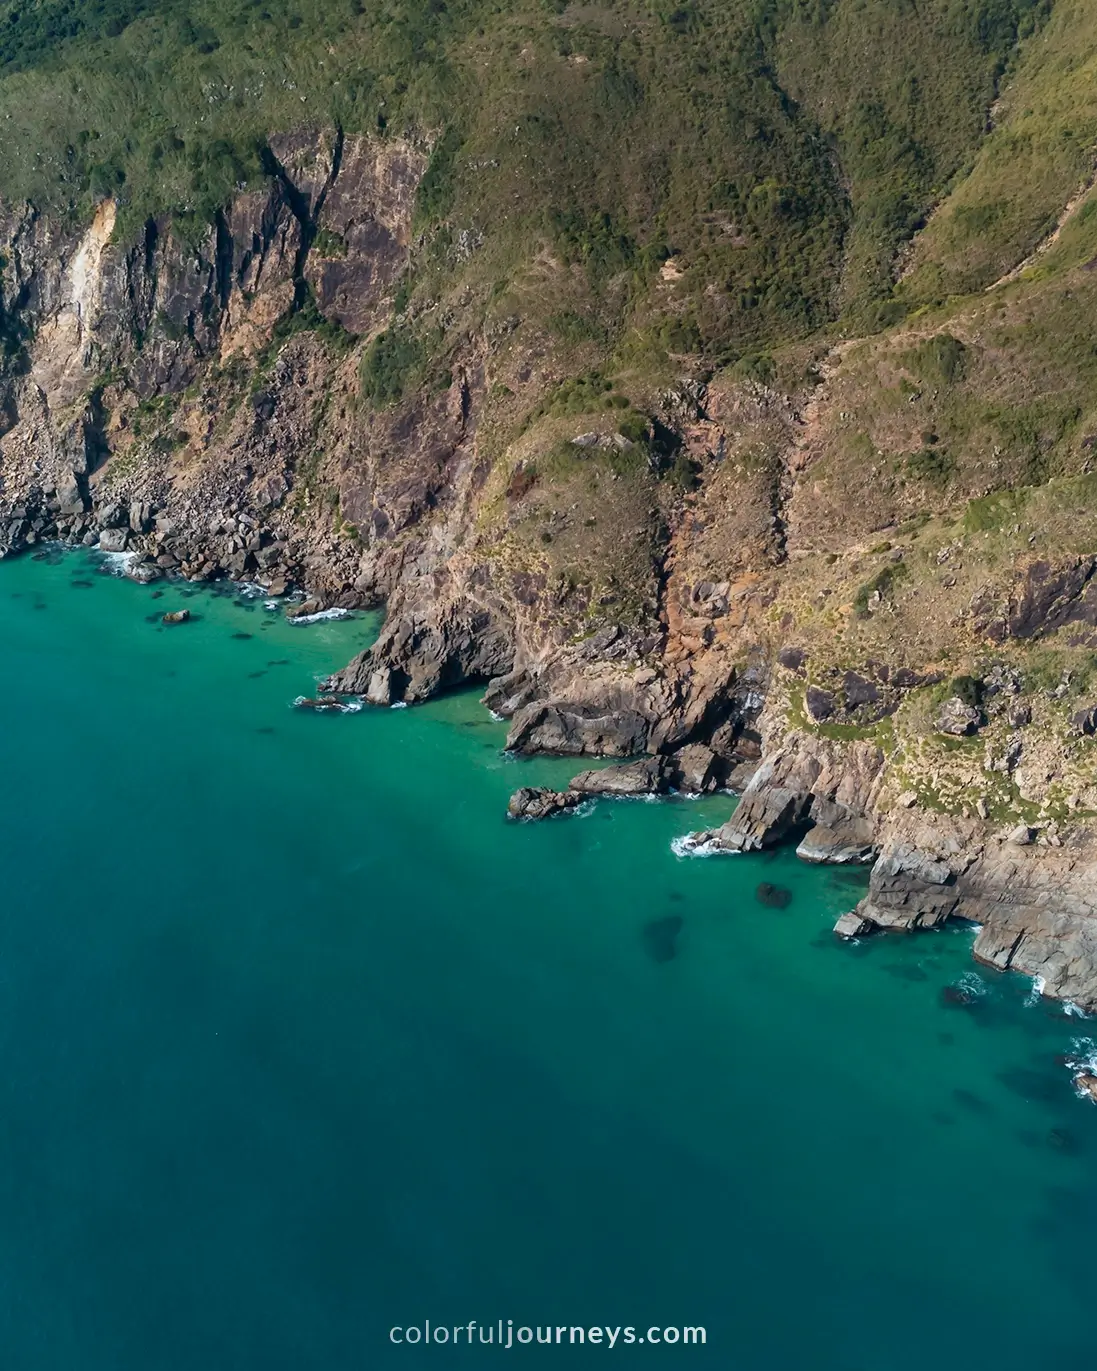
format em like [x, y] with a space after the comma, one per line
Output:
[394, 364]
[939, 360]
[882, 584]
[933, 464]
[966, 688]
[777, 150]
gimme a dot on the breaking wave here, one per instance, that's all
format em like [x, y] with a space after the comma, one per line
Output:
[320, 616]
[117, 563]
[688, 845]
[351, 705]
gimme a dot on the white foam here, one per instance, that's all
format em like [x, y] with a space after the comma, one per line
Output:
[351, 705]
[496, 718]
[400, 704]
[271, 605]
[320, 616]
[688, 845]
[971, 983]
[1035, 995]
[1083, 1061]
[1074, 1010]
[117, 562]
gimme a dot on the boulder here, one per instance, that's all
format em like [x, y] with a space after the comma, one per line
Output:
[1086, 1083]
[113, 540]
[71, 499]
[648, 776]
[1085, 721]
[852, 925]
[143, 572]
[958, 719]
[792, 658]
[820, 704]
[176, 616]
[537, 802]
[858, 691]
[697, 770]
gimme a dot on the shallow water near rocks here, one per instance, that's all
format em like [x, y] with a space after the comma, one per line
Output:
[301, 1040]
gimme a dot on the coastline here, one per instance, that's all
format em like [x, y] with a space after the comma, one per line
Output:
[236, 443]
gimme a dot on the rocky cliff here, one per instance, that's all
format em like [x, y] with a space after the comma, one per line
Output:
[853, 577]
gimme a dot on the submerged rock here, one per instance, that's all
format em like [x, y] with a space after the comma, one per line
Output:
[958, 996]
[773, 896]
[319, 702]
[661, 937]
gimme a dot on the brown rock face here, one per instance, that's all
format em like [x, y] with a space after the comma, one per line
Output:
[808, 781]
[364, 231]
[1045, 597]
[1036, 904]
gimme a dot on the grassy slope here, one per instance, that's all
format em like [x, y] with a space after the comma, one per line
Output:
[779, 149]
[724, 185]
[1042, 150]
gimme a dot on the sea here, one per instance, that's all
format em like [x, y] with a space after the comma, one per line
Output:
[308, 1055]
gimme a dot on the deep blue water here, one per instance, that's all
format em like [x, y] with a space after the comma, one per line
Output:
[301, 1041]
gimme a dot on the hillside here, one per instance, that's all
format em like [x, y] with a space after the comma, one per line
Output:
[719, 375]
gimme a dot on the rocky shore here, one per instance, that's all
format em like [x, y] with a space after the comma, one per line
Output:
[667, 592]
[1031, 892]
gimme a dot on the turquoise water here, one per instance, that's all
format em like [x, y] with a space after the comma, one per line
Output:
[300, 1040]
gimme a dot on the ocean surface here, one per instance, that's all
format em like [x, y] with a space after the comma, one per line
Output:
[301, 1041]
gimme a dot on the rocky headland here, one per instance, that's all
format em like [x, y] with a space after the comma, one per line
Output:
[784, 579]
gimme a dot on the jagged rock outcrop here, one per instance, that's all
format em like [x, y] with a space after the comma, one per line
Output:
[418, 654]
[134, 358]
[1035, 901]
[648, 776]
[577, 704]
[535, 802]
[808, 781]
[1044, 597]
[695, 769]
[838, 834]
